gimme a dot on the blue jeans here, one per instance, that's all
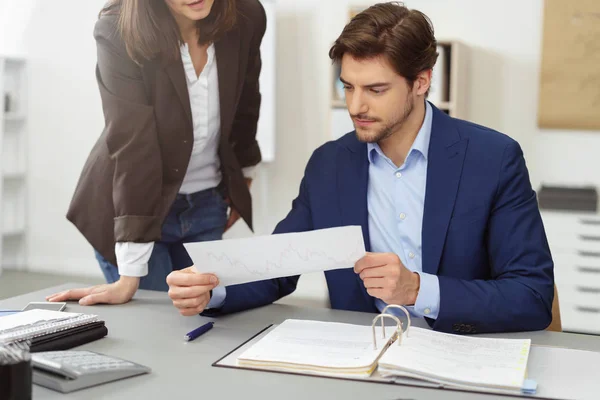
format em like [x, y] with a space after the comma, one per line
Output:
[195, 217]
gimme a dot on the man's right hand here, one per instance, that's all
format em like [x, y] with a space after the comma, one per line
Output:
[190, 290]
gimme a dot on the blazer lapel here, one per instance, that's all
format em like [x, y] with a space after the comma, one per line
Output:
[446, 155]
[352, 184]
[227, 50]
[177, 75]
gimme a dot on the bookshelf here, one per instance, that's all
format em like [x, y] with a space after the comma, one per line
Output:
[13, 162]
[449, 87]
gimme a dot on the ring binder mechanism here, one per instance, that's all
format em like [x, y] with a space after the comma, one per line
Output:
[397, 335]
[399, 331]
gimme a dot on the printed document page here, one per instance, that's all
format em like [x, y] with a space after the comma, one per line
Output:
[469, 360]
[257, 258]
[331, 345]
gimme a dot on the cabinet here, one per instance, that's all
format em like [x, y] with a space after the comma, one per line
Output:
[574, 240]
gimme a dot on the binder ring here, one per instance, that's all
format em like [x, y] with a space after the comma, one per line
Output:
[405, 312]
[398, 327]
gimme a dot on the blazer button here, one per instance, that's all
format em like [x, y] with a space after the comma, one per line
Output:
[456, 327]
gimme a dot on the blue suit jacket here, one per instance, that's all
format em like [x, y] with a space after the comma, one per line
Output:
[482, 231]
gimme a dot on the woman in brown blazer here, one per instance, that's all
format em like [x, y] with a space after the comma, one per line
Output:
[179, 82]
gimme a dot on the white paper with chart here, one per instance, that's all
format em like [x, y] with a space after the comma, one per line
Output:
[257, 258]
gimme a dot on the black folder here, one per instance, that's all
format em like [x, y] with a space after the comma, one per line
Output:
[69, 338]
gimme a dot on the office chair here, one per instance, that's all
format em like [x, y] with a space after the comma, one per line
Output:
[555, 325]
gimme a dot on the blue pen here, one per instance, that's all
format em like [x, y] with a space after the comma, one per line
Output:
[199, 331]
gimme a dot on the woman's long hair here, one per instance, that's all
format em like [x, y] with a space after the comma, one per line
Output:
[148, 28]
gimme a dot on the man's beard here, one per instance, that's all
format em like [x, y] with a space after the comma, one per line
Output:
[365, 136]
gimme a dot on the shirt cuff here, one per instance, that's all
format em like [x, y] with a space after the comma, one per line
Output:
[428, 299]
[133, 258]
[249, 172]
[218, 297]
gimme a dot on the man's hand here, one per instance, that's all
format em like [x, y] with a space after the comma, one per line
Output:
[190, 290]
[118, 292]
[234, 215]
[386, 278]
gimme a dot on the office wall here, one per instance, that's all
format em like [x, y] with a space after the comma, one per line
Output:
[65, 117]
[14, 19]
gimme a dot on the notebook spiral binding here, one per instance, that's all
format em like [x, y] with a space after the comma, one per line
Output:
[32, 331]
[399, 331]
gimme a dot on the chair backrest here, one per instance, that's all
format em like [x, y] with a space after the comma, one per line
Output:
[555, 325]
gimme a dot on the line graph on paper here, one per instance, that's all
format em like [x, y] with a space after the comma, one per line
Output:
[251, 259]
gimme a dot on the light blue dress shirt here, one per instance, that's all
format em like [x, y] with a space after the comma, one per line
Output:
[218, 297]
[396, 198]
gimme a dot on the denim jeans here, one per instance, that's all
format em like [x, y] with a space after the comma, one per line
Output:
[195, 217]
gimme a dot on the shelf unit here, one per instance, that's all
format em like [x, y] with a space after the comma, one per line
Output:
[13, 162]
[448, 88]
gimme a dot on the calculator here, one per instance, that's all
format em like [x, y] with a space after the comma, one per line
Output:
[70, 370]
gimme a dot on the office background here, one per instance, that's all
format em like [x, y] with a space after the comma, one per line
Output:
[63, 116]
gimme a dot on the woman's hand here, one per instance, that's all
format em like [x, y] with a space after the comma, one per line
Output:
[118, 292]
[190, 290]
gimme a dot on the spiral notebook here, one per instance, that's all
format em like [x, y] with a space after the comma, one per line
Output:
[34, 323]
[398, 351]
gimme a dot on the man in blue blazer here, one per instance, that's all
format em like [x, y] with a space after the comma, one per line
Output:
[448, 214]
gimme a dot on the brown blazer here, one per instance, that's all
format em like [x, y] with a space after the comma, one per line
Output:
[136, 167]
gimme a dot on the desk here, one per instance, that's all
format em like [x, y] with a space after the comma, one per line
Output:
[148, 330]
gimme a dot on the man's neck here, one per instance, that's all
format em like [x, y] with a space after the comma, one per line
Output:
[397, 146]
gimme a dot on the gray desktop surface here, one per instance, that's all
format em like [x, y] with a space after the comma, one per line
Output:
[149, 331]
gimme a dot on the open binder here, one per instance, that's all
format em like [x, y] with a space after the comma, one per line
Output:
[389, 353]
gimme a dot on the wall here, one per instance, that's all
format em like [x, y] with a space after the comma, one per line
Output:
[65, 119]
[14, 20]
[65, 115]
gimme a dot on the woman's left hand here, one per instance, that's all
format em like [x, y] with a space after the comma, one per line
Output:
[118, 292]
[234, 215]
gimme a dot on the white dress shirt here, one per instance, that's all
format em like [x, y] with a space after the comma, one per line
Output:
[203, 170]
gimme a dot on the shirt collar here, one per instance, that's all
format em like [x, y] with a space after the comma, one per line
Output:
[421, 143]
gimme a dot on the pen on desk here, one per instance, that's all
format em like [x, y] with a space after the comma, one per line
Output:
[199, 331]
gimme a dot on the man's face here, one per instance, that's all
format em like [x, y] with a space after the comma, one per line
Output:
[378, 99]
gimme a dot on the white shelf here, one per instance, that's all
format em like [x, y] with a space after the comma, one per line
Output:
[444, 105]
[14, 175]
[13, 116]
[338, 104]
[14, 232]
[13, 162]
